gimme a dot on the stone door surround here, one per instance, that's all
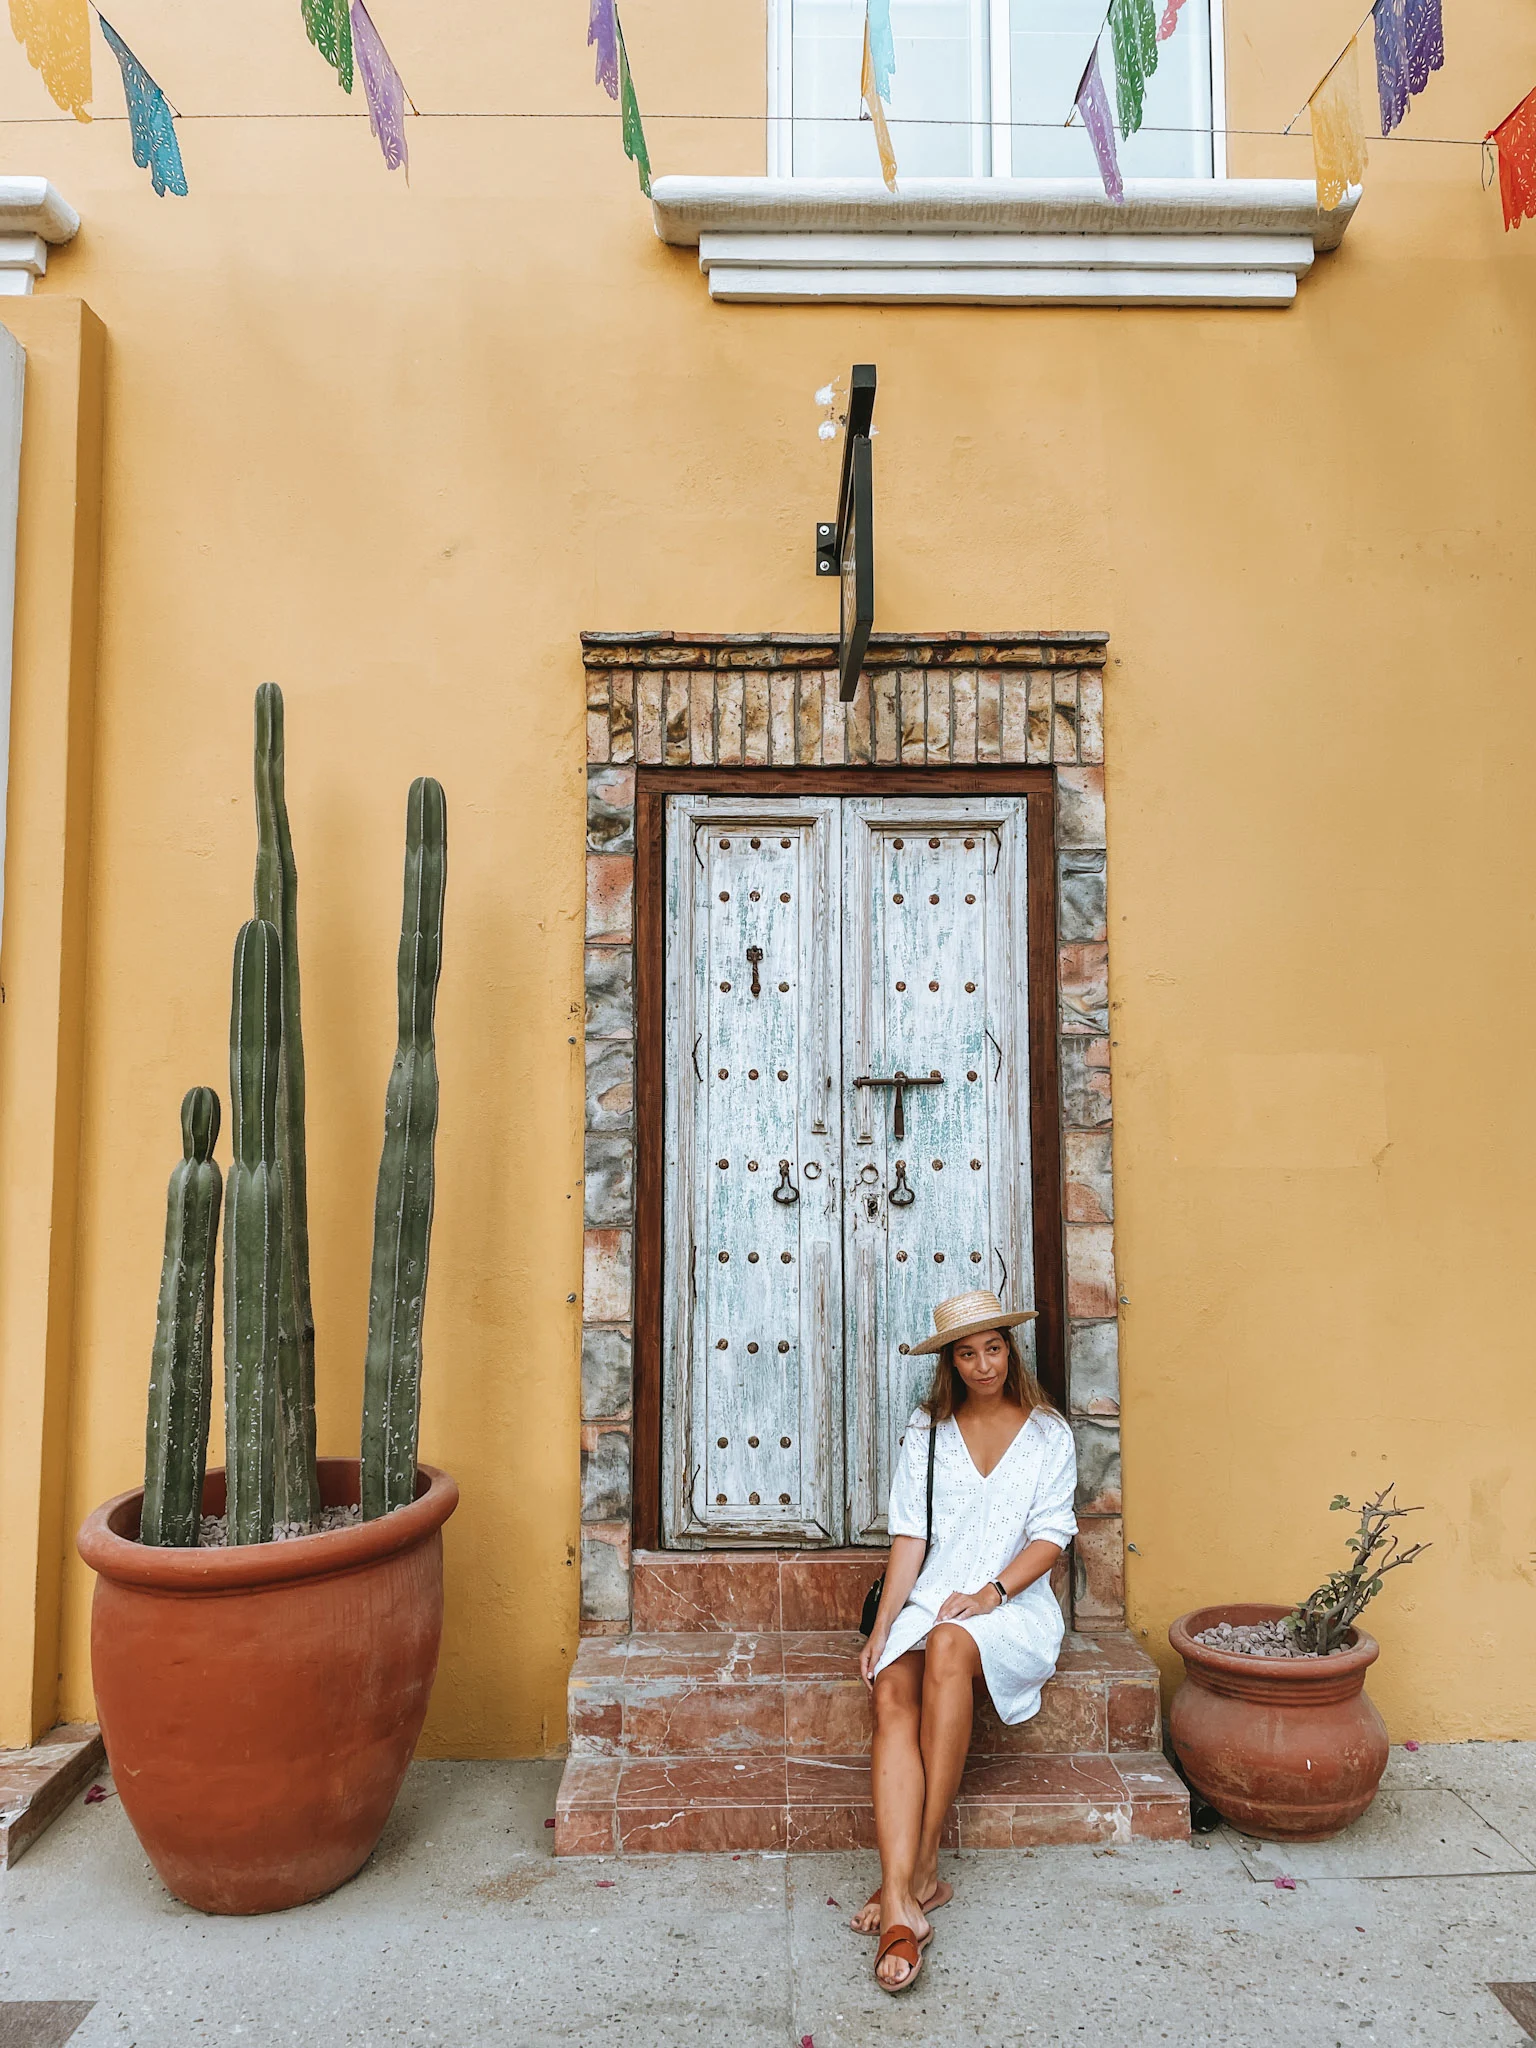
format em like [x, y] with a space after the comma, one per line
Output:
[933, 700]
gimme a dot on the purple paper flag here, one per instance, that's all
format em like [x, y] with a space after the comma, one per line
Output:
[602, 30]
[1391, 61]
[1426, 42]
[1093, 105]
[382, 88]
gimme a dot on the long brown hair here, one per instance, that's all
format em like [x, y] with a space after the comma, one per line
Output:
[950, 1392]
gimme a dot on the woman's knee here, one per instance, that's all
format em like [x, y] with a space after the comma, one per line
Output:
[952, 1655]
[898, 1695]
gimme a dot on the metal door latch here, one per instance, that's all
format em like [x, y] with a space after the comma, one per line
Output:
[754, 959]
[786, 1191]
[900, 1082]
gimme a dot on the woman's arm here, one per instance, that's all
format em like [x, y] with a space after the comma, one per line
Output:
[901, 1574]
[1033, 1562]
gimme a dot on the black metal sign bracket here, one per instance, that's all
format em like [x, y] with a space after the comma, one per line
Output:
[831, 533]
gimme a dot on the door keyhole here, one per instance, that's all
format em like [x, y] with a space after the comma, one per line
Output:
[872, 1204]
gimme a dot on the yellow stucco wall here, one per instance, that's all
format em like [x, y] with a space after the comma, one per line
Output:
[395, 447]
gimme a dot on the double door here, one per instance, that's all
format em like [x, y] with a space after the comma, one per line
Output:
[847, 1139]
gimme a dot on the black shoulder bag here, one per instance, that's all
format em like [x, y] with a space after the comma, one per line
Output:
[872, 1597]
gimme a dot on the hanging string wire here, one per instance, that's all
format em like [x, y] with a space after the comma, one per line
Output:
[848, 120]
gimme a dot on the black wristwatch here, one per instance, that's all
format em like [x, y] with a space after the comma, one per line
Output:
[1002, 1593]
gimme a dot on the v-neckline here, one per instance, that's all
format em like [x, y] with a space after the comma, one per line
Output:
[985, 1476]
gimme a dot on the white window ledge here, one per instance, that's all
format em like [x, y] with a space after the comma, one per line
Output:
[1000, 241]
[32, 215]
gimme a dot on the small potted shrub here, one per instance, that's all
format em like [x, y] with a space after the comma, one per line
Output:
[264, 1638]
[1272, 1724]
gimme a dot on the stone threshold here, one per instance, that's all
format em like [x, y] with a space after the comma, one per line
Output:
[613, 1806]
[37, 1784]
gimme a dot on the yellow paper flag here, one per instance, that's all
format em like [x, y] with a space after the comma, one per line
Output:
[876, 114]
[1338, 135]
[56, 35]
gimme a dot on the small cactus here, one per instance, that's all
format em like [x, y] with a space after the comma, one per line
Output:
[181, 1375]
[402, 1218]
[296, 1481]
[253, 1234]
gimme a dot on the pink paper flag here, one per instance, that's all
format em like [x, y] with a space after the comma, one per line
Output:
[1170, 20]
[602, 29]
[1093, 104]
[382, 87]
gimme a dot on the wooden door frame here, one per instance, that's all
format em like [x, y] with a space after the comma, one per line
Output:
[652, 787]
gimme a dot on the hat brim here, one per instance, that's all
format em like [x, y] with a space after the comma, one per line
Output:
[1008, 1321]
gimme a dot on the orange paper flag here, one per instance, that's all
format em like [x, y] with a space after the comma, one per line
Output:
[56, 35]
[1338, 135]
[1515, 139]
[877, 114]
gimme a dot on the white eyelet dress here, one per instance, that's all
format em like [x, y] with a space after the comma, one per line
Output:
[979, 1527]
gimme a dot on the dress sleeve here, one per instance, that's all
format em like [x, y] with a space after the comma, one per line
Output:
[908, 1511]
[1050, 1518]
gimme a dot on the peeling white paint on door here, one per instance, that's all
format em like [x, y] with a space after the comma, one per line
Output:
[815, 948]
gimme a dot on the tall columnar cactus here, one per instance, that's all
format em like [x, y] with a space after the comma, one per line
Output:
[253, 1234]
[181, 1375]
[296, 1482]
[402, 1217]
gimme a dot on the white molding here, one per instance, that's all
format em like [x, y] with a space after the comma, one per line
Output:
[32, 214]
[781, 88]
[1218, 54]
[1009, 241]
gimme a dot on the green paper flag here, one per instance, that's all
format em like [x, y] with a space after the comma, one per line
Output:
[629, 107]
[329, 27]
[1133, 35]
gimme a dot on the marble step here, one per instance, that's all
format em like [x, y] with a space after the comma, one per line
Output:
[742, 1694]
[629, 1806]
[678, 1591]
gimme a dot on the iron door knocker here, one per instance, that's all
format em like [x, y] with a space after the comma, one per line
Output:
[785, 1192]
[901, 1196]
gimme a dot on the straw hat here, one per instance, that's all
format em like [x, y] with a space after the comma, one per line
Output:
[963, 1315]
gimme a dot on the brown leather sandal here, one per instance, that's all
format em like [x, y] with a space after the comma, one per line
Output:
[904, 1945]
[929, 1905]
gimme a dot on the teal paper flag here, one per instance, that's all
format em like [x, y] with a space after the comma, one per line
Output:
[1133, 38]
[155, 148]
[629, 107]
[882, 45]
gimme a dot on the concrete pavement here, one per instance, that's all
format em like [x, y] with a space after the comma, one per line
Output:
[464, 1930]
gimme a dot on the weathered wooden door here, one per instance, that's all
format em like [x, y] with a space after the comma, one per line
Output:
[817, 949]
[935, 986]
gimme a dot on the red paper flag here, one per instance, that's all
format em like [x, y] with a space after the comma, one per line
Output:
[1515, 140]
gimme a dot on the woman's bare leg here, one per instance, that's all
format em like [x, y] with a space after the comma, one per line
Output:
[896, 1772]
[952, 1661]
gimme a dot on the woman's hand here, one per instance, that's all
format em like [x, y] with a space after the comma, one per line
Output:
[871, 1654]
[962, 1606]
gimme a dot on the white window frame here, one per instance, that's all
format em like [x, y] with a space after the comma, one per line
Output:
[781, 90]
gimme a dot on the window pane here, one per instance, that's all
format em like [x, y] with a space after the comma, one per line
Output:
[1050, 42]
[930, 108]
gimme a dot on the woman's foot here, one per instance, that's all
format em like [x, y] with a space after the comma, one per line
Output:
[893, 1971]
[934, 1893]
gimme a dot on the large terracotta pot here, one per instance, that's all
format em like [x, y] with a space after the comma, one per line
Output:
[1286, 1748]
[260, 1704]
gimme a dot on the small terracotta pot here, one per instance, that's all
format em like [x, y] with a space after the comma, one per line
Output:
[1286, 1748]
[260, 1704]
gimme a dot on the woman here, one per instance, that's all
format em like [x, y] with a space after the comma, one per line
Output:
[973, 1601]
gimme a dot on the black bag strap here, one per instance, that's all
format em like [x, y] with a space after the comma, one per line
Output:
[933, 1432]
